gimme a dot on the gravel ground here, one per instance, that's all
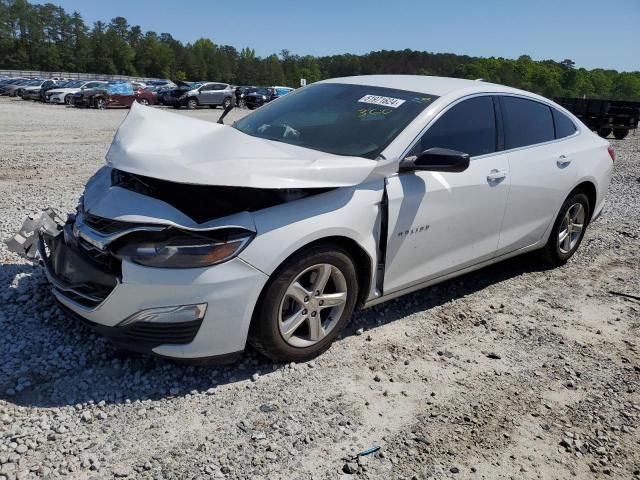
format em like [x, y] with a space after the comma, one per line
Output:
[512, 372]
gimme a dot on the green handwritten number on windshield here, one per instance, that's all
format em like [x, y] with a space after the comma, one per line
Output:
[373, 112]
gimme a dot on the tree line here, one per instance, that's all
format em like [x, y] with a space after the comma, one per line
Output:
[46, 37]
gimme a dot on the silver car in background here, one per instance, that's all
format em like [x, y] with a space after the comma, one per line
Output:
[212, 94]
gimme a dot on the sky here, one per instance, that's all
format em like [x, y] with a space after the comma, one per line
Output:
[593, 33]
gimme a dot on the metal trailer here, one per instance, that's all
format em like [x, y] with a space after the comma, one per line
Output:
[604, 116]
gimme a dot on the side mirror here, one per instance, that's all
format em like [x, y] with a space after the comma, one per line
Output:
[437, 160]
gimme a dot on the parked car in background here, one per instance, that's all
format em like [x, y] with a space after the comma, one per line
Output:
[10, 80]
[34, 92]
[258, 96]
[211, 94]
[15, 89]
[240, 92]
[121, 94]
[160, 83]
[65, 93]
[49, 85]
[344, 194]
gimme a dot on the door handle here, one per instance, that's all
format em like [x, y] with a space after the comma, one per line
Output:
[495, 175]
[563, 161]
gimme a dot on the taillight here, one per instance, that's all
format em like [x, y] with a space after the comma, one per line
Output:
[612, 153]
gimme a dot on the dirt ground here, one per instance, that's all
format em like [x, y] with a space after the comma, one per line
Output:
[512, 372]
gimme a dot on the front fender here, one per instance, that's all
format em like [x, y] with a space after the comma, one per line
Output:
[350, 212]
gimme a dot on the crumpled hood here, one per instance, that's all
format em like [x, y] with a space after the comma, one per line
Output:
[177, 148]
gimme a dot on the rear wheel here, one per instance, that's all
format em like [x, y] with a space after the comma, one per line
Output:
[568, 229]
[143, 101]
[226, 103]
[305, 305]
[604, 132]
[620, 133]
[192, 104]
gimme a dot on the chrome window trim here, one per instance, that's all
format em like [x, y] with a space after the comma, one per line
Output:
[497, 152]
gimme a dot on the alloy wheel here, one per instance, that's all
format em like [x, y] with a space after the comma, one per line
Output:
[571, 228]
[312, 305]
[143, 101]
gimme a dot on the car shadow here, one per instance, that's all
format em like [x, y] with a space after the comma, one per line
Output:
[48, 360]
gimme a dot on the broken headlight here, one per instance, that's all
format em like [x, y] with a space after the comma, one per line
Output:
[180, 249]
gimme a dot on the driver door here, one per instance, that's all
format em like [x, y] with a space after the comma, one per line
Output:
[443, 222]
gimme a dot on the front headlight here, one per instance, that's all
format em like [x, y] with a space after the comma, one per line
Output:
[181, 249]
[264, 97]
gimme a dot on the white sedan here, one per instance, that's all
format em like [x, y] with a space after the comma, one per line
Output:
[64, 95]
[197, 238]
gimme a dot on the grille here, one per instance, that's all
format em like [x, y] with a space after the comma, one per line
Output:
[160, 333]
[104, 225]
[74, 274]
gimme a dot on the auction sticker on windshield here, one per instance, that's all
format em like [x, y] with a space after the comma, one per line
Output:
[380, 100]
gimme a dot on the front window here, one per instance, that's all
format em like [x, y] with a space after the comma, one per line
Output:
[353, 120]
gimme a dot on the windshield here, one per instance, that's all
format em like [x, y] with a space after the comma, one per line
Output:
[72, 84]
[354, 120]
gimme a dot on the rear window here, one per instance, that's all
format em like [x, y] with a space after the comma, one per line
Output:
[526, 122]
[564, 126]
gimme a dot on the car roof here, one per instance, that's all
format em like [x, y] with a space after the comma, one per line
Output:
[439, 86]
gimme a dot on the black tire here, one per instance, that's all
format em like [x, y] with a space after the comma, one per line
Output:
[67, 99]
[264, 334]
[226, 103]
[604, 132]
[100, 103]
[552, 252]
[250, 106]
[620, 133]
[143, 101]
[192, 104]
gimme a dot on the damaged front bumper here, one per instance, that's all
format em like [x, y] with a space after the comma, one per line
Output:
[142, 308]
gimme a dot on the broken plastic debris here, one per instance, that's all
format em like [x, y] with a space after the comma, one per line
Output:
[25, 242]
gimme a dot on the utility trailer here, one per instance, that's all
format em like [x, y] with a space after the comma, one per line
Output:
[604, 116]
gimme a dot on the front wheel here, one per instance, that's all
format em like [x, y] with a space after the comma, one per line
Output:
[143, 101]
[192, 104]
[305, 305]
[620, 133]
[226, 103]
[604, 132]
[67, 99]
[100, 103]
[568, 229]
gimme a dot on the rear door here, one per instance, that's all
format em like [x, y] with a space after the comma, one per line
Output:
[541, 169]
[443, 222]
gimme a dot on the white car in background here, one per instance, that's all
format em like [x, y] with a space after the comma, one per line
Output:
[196, 237]
[64, 95]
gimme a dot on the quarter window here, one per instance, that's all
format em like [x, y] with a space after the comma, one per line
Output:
[564, 126]
[526, 122]
[469, 127]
